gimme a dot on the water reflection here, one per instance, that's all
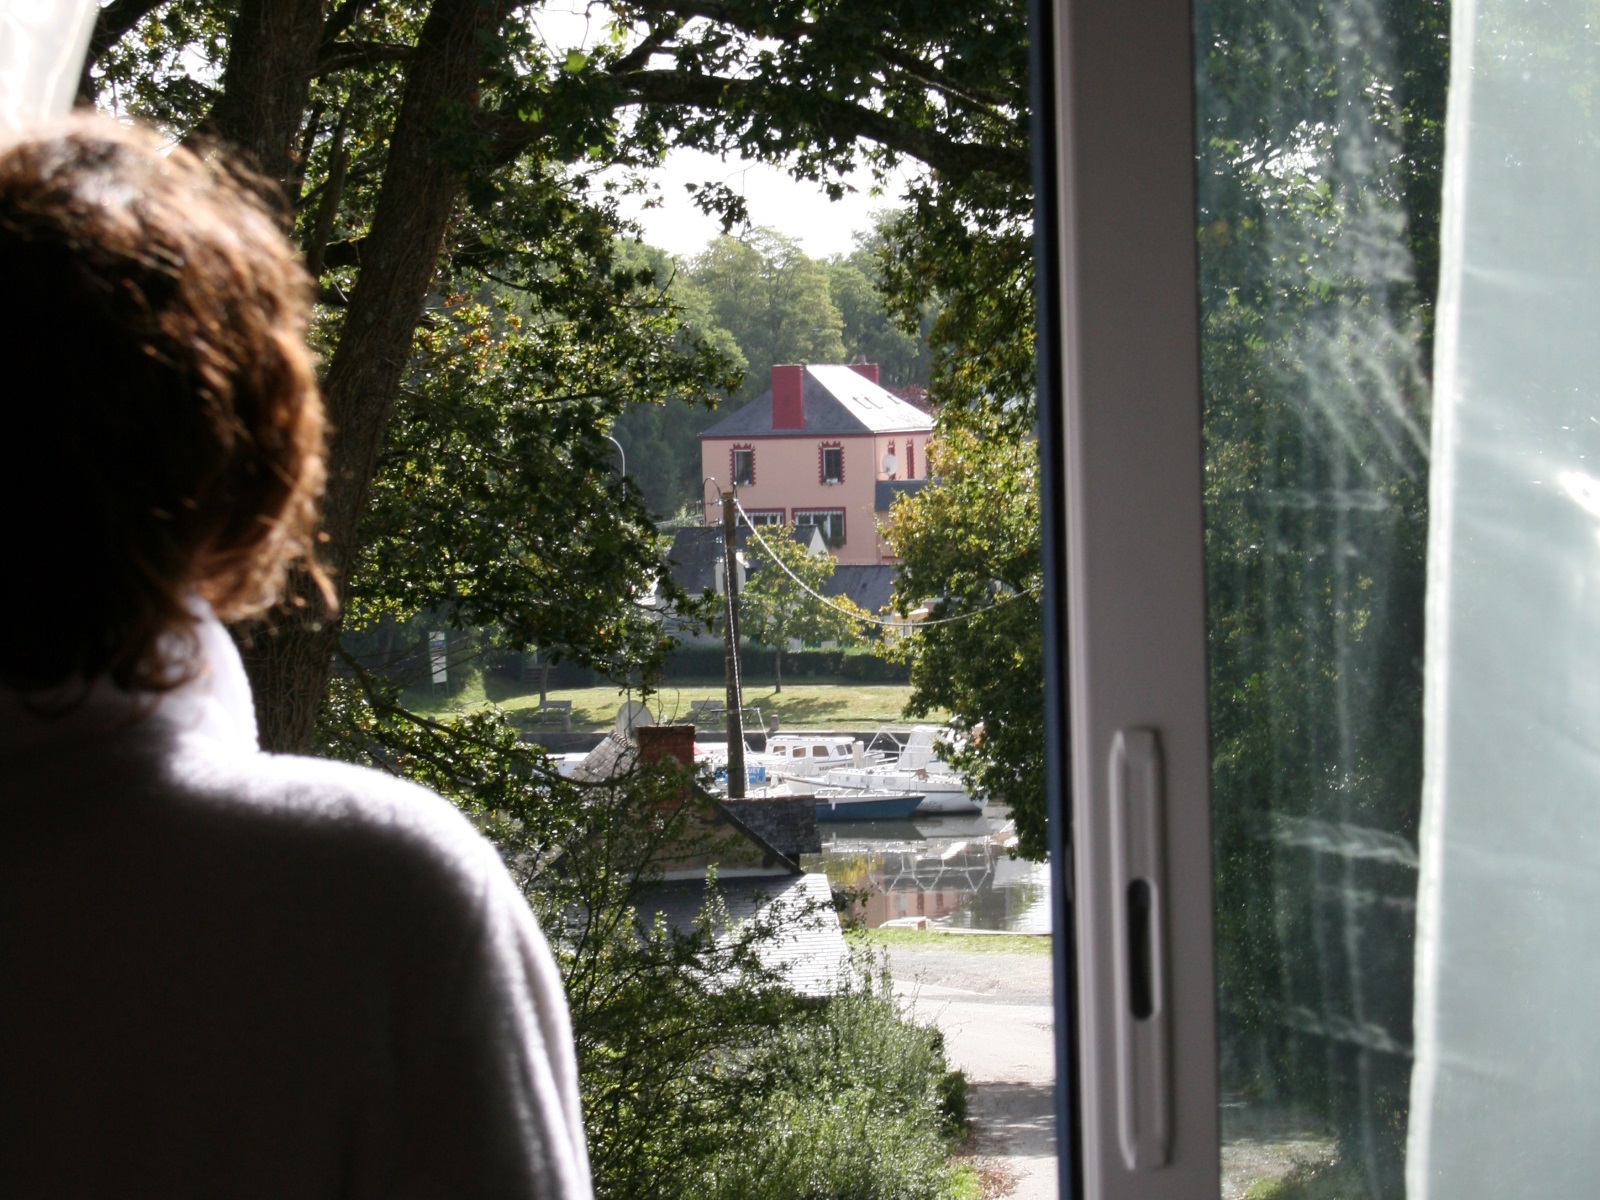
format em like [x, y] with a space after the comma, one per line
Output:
[955, 872]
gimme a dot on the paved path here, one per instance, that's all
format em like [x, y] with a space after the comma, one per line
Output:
[996, 1014]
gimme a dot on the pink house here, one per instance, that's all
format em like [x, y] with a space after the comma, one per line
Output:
[826, 446]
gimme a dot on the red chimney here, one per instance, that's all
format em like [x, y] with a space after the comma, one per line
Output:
[674, 742]
[788, 397]
[667, 743]
[866, 370]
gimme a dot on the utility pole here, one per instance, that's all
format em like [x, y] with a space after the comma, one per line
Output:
[735, 700]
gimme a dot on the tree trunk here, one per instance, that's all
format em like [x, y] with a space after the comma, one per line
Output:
[777, 668]
[289, 663]
[267, 80]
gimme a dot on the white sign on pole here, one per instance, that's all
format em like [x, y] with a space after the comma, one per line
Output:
[436, 656]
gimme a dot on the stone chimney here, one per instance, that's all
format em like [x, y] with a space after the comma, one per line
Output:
[788, 397]
[866, 370]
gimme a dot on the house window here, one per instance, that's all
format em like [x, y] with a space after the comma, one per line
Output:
[764, 516]
[911, 459]
[744, 466]
[830, 464]
[829, 522]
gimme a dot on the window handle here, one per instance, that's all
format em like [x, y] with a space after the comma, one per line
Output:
[1144, 1045]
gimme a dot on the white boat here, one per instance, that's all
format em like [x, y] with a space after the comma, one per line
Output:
[788, 756]
[914, 766]
[808, 754]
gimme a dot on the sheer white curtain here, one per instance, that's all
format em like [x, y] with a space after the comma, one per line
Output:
[1506, 1089]
[41, 52]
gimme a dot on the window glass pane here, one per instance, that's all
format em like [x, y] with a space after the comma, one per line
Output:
[829, 521]
[1319, 143]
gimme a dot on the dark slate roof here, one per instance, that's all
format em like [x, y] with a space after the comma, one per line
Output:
[613, 756]
[787, 823]
[749, 846]
[810, 951]
[870, 587]
[836, 401]
[887, 489]
[696, 549]
[693, 557]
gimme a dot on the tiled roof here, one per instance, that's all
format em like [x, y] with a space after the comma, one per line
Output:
[786, 823]
[870, 587]
[747, 846]
[837, 401]
[696, 550]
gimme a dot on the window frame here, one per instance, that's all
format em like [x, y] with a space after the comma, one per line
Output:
[734, 451]
[764, 517]
[822, 463]
[1125, 630]
[798, 516]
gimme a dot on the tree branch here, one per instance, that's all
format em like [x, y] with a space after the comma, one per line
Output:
[798, 31]
[342, 19]
[334, 57]
[110, 24]
[841, 120]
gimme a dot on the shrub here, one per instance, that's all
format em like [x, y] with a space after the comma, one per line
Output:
[851, 1111]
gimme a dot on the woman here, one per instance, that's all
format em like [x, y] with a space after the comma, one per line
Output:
[222, 972]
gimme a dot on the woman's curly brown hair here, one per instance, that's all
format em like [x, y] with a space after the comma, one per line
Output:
[161, 406]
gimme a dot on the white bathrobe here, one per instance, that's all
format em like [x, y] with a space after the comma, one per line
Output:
[225, 973]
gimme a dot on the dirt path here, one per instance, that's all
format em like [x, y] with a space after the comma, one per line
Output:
[996, 1013]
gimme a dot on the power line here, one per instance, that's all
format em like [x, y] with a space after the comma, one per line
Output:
[863, 617]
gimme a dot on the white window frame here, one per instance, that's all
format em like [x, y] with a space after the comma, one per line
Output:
[800, 518]
[822, 464]
[1125, 612]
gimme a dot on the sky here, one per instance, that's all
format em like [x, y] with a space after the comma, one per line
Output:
[801, 210]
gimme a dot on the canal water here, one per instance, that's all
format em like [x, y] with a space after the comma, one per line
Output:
[957, 872]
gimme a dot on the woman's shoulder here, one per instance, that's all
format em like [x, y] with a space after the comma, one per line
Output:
[381, 833]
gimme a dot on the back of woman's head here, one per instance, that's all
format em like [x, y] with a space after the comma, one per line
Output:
[161, 412]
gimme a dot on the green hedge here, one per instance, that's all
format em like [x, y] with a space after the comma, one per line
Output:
[706, 662]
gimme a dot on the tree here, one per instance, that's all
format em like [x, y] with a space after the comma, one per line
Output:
[780, 603]
[773, 299]
[968, 546]
[871, 332]
[661, 439]
[424, 148]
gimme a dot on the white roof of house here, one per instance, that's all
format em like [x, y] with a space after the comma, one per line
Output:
[837, 400]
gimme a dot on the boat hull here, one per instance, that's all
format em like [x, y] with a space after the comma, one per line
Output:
[869, 806]
[940, 795]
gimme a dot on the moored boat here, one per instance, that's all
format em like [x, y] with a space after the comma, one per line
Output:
[852, 804]
[914, 766]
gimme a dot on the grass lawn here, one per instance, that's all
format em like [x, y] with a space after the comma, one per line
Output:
[812, 704]
[969, 943]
